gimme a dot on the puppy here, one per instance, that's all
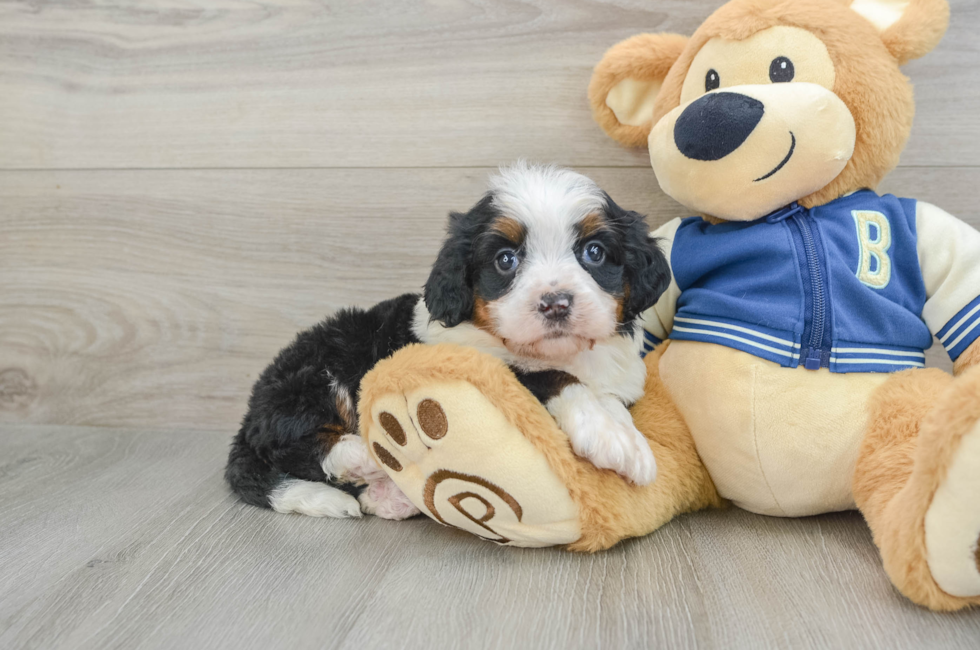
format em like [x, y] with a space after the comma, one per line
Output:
[546, 272]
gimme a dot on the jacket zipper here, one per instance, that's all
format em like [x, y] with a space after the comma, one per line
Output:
[818, 317]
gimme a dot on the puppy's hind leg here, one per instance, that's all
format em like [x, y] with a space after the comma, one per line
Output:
[383, 498]
[349, 460]
[312, 498]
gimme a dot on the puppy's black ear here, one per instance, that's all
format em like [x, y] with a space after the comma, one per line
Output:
[448, 292]
[645, 269]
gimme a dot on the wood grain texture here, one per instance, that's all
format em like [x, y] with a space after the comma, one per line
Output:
[154, 298]
[297, 83]
[185, 184]
[122, 538]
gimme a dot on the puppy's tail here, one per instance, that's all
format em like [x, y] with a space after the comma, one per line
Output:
[250, 477]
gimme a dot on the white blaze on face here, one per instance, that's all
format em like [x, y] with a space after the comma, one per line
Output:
[550, 203]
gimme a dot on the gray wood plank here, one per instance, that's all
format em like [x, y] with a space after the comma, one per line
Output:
[116, 538]
[335, 84]
[154, 298]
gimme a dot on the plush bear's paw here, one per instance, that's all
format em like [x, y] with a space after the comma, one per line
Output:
[601, 430]
[953, 522]
[461, 462]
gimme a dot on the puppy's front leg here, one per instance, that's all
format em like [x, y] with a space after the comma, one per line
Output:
[599, 427]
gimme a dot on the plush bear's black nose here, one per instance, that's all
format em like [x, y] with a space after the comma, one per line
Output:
[716, 125]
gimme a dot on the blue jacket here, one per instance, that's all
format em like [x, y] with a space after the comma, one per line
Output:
[839, 286]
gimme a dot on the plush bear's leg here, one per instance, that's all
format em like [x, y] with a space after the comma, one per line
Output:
[917, 482]
[472, 448]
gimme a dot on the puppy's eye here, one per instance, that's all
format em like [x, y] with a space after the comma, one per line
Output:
[506, 261]
[594, 253]
[711, 81]
[781, 70]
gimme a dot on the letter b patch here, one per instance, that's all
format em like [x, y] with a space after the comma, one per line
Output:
[874, 239]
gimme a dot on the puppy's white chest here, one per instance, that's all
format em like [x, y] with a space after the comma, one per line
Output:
[612, 368]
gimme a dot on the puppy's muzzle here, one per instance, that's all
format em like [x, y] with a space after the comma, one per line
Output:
[555, 306]
[716, 125]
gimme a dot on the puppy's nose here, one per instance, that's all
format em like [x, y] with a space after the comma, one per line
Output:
[555, 306]
[716, 125]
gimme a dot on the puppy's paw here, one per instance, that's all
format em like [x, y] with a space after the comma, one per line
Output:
[382, 498]
[601, 430]
[350, 461]
[313, 499]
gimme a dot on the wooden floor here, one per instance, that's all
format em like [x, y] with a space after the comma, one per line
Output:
[185, 183]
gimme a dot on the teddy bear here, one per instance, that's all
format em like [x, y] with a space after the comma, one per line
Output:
[785, 372]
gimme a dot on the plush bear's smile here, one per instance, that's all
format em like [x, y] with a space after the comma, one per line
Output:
[740, 152]
[792, 148]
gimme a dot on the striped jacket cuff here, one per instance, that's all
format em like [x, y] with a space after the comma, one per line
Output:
[649, 342]
[961, 330]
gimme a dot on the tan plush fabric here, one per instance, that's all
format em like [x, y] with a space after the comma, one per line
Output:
[968, 359]
[643, 58]
[867, 78]
[632, 101]
[775, 440]
[464, 380]
[917, 421]
[784, 441]
[918, 31]
[804, 118]
[463, 464]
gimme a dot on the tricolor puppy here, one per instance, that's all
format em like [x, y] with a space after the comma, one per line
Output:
[546, 272]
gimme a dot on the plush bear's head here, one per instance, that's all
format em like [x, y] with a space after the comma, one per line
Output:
[770, 101]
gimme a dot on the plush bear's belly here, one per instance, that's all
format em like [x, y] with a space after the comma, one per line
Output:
[776, 441]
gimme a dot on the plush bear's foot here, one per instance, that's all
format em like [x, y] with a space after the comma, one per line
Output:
[465, 465]
[472, 448]
[918, 485]
[952, 522]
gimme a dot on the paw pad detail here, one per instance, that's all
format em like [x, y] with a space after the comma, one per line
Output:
[385, 457]
[394, 430]
[432, 419]
[462, 463]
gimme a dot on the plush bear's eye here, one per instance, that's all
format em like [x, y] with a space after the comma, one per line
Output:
[711, 81]
[781, 70]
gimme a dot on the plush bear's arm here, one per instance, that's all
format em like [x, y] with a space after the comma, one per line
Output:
[968, 359]
[949, 257]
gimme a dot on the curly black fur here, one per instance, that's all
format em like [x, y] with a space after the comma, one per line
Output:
[295, 398]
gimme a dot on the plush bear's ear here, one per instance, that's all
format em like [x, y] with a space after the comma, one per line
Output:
[909, 28]
[626, 81]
